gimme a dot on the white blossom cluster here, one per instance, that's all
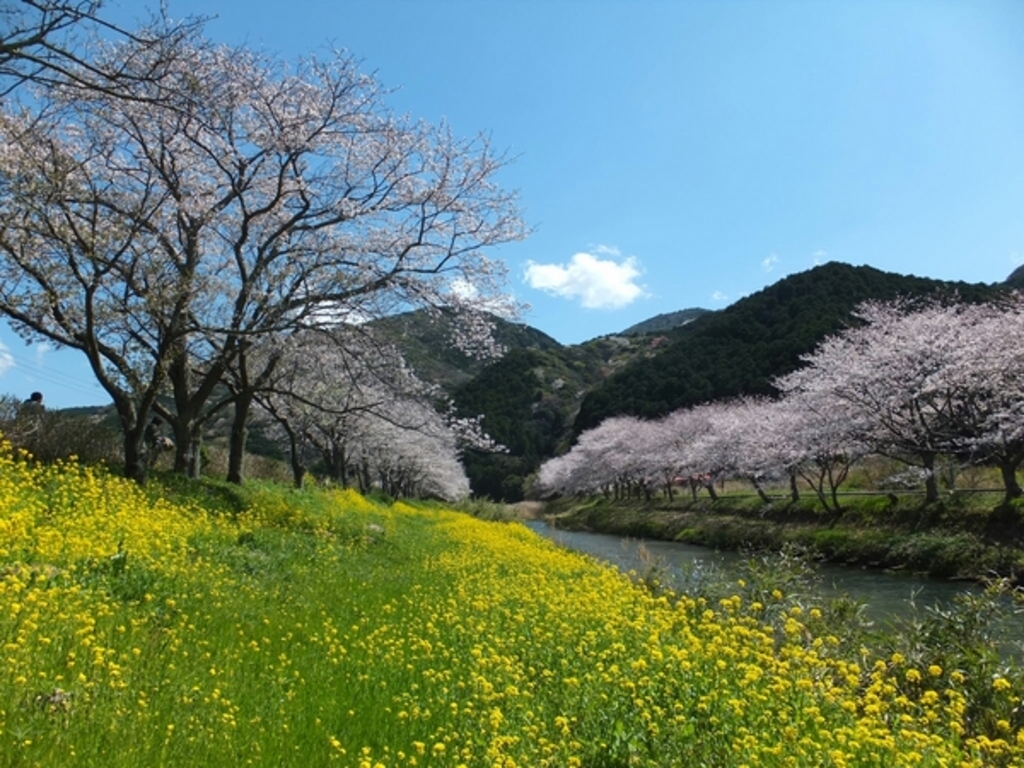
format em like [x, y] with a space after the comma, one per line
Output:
[343, 401]
[910, 382]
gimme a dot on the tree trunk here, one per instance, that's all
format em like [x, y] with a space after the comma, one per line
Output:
[710, 485]
[135, 465]
[239, 433]
[364, 479]
[188, 438]
[337, 459]
[133, 431]
[837, 469]
[1008, 469]
[187, 417]
[794, 492]
[760, 491]
[931, 485]
[343, 467]
[835, 497]
[295, 453]
[814, 475]
[182, 444]
[195, 455]
[298, 468]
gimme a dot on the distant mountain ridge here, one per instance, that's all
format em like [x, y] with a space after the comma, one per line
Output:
[665, 322]
[1016, 278]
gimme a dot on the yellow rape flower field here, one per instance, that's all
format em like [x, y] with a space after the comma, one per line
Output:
[320, 628]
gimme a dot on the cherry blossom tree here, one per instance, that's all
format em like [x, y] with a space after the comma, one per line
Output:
[747, 442]
[651, 444]
[914, 382]
[34, 34]
[554, 476]
[411, 453]
[234, 197]
[697, 446]
[821, 442]
[879, 373]
[606, 459]
[985, 373]
[327, 384]
[40, 40]
[351, 399]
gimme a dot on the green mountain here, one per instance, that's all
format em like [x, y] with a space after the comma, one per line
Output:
[665, 322]
[541, 394]
[1016, 278]
[529, 399]
[740, 349]
[425, 341]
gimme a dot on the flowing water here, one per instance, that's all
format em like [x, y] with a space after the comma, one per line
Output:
[886, 595]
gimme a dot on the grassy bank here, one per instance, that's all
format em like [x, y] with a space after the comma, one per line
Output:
[966, 535]
[209, 625]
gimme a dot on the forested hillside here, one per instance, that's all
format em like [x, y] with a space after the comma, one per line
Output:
[740, 349]
[541, 394]
[1016, 278]
[425, 340]
[529, 400]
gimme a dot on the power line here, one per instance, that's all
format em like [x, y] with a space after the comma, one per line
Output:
[30, 367]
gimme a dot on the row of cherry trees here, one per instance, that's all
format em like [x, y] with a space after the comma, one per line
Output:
[183, 212]
[339, 397]
[909, 381]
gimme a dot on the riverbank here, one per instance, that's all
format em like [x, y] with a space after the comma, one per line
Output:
[962, 536]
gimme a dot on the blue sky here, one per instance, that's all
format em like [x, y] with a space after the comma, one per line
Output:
[679, 154]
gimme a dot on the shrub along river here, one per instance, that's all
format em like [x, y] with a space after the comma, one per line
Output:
[888, 597]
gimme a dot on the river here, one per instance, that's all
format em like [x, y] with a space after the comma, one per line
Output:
[886, 595]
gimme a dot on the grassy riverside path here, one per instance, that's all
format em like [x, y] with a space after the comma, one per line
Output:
[210, 625]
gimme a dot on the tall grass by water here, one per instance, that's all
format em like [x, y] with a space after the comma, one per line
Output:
[267, 626]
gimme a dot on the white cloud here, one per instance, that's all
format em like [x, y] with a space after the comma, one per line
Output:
[818, 255]
[329, 314]
[1015, 259]
[6, 359]
[502, 305]
[596, 283]
[769, 263]
[463, 289]
[719, 296]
